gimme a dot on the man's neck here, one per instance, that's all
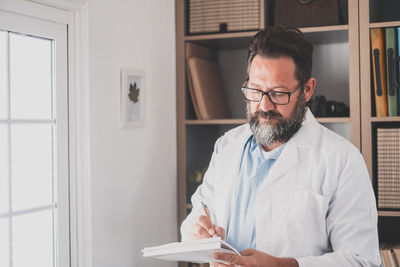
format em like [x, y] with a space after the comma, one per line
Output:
[271, 147]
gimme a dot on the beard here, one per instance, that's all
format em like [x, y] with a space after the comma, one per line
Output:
[274, 128]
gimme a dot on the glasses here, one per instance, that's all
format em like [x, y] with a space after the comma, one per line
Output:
[276, 97]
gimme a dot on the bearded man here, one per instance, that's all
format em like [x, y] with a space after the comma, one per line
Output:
[283, 189]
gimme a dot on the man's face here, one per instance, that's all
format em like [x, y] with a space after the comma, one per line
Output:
[272, 123]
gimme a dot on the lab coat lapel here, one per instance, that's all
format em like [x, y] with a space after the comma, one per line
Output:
[290, 156]
[287, 160]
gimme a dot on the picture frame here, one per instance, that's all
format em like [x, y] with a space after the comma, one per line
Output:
[132, 98]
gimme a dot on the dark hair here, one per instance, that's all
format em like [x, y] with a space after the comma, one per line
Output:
[277, 41]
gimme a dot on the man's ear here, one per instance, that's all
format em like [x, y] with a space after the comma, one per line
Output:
[309, 87]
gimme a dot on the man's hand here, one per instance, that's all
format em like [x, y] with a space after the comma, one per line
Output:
[205, 229]
[252, 257]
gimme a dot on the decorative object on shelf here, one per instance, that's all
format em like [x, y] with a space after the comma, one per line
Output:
[132, 98]
[320, 107]
[387, 165]
[219, 16]
[306, 13]
[197, 176]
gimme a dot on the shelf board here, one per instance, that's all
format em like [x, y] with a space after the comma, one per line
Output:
[242, 121]
[189, 206]
[215, 36]
[325, 28]
[389, 213]
[384, 119]
[215, 122]
[229, 35]
[333, 120]
[384, 24]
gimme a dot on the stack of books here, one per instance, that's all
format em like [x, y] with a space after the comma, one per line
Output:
[390, 255]
[385, 47]
[205, 84]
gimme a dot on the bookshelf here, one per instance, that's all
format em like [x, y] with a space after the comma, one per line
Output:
[375, 14]
[341, 67]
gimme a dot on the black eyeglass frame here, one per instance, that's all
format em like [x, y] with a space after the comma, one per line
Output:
[269, 92]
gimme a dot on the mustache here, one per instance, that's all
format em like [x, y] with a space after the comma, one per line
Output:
[270, 114]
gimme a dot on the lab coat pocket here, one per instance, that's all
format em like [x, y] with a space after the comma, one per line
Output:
[307, 218]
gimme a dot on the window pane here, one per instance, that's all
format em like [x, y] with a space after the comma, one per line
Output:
[30, 77]
[3, 74]
[3, 169]
[32, 239]
[31, 165]
[4, 244]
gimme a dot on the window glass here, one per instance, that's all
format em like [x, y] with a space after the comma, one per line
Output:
[30, 77]
[3, 170]
[3, 75]
[33, 239]
[31, 165]
[4, 244]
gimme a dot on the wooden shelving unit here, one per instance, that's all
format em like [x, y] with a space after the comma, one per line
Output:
[352, 37]
[367, 117]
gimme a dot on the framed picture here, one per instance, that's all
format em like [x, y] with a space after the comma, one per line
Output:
[132, 98]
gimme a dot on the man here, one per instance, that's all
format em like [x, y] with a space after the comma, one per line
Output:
[283, 189]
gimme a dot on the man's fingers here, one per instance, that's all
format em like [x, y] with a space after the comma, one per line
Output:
[207, 224]
[220, 232]
[220, 264]
[247, 252]
[229, 258]
[199, 232]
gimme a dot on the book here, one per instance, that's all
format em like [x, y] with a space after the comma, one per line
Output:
[379, 72]
[197, 251]
[398, 71]
[391, 54]
[396, 253]
[208, 91]
[196, 51]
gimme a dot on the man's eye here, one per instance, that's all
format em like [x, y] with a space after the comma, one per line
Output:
[277, 94]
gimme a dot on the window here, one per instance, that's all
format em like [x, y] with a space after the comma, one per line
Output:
[34, 210]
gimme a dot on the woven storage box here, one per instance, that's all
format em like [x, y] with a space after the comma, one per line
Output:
[211, 16]
[388, 168]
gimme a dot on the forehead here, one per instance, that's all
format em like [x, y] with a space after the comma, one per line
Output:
[265, 69]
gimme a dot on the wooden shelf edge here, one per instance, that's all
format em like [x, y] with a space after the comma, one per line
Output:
[333, 120]
[389, 213]
[214, 36]
[325, 28]
[242, 121]
[383, 119]
[215, 122]
[384, 24]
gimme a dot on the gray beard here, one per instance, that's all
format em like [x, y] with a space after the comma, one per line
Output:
[276, 129]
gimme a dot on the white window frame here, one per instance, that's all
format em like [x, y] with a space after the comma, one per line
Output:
[74, 14]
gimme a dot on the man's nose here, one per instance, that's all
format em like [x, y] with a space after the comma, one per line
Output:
[266, 104]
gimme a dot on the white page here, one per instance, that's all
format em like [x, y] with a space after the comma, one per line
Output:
[191, 251]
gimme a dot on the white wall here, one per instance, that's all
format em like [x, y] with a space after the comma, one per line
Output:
[133, 183]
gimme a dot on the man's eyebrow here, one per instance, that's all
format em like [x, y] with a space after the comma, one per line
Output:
[252, 84]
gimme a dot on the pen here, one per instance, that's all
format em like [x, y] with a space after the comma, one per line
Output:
[206, 211]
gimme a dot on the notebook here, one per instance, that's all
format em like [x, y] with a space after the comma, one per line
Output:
[197, 251]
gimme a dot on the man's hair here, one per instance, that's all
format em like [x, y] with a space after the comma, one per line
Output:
[277, 41]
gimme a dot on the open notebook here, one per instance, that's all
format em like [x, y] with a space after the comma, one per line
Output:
[198, 251]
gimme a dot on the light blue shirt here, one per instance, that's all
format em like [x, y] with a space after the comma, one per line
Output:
[254, 168]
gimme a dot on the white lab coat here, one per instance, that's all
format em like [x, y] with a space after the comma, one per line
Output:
[316, 204]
